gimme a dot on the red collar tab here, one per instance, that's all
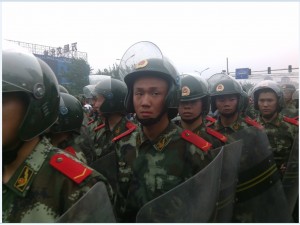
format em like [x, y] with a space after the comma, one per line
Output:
[216, 134]
[196, 140]
[91, 121]
[99, 127]
[69, 167]
[252, 122]
[291, 120]
[211, 119]
[130, 126]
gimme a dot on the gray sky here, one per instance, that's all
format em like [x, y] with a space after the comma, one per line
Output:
[193, 35]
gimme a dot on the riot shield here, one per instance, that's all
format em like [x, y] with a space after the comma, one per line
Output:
[229, 177]
[260, 196]
[107, 166]
[93, 207]
[290, 179]
[192, 201]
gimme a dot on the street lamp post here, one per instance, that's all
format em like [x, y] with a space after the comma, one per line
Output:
[201, 71]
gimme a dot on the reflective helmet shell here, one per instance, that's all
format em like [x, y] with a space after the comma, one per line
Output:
[194, 87]
[265, 85]
[226, 87]
[70, 115]
[62, 89]
[114, 92]
[288, 87]
[23, 72]
[88, 90]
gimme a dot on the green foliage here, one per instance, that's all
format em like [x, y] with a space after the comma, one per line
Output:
[78, 75]
[111, 71]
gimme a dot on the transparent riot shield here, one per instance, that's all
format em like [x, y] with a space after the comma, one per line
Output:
[93, 207]
[107, 166]
[290, 179]
[260, 196]
[229, 178]
[192, 201]
[135, 54]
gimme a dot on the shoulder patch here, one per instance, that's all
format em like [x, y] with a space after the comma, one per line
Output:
[99, 127]
[252, 122]
[291, 120]
[196, 140]
[69, 167]
[130, 126]
[216, 134]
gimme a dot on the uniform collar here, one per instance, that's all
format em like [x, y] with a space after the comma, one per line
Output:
[161, 141]
[275, 122]
[234, 126]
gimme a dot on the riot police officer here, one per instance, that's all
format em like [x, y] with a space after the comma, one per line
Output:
[38, 185]
[109, 95]
[193, 107]
[160, 155]
[228, 97]
[65, 132]
[281, 130]
[289, 108]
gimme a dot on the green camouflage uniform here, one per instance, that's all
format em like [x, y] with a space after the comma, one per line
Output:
[238, 125]
[37, 192]
[147, 169]
[103, 137]
[251, 112]
[281, 136]
[85, 141]
[290, 110]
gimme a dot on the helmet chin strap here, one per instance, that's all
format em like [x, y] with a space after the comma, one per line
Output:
[152, 121]
[190, 121]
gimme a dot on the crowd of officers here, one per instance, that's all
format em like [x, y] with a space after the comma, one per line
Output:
[160, 130]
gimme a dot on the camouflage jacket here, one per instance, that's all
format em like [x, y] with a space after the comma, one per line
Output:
[238, 125]
[45, 185]
[281, 135]
[290, 110]
[148, 169]
[103, 139]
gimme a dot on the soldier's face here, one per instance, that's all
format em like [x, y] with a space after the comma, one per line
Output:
[190, 109]
[13, 111]
[227, 104]
[98, 101]
[287, 94]
[149, 95]
[267, 104]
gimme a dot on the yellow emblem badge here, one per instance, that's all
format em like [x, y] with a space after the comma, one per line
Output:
[161, 144]
[23, 179]
[185, 91]
[141, 64]
[220, 87]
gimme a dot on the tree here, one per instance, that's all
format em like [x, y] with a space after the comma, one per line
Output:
[111, 71]
[77, 75]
